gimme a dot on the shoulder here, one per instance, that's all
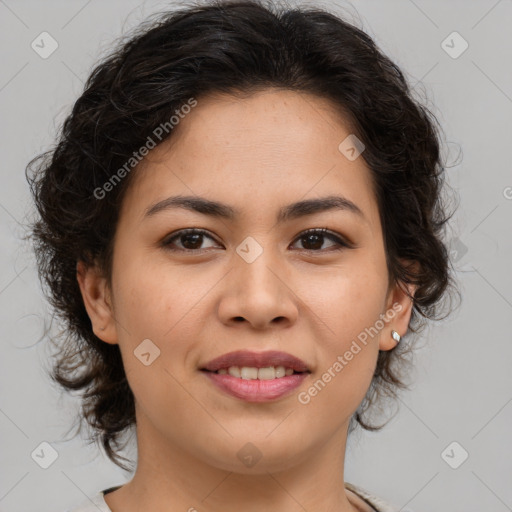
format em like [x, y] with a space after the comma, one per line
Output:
[376, 503]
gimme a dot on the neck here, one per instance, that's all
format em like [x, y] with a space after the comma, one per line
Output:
[170, 478]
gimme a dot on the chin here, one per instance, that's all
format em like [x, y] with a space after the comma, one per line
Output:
[256, 455]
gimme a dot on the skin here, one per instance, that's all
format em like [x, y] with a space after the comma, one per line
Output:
[256, 154]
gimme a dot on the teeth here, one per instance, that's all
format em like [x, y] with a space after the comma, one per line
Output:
[266, 373]
[248, 373]
[251, 373]
[234, 371]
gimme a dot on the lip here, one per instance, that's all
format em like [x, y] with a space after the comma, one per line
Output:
[256, 390]
[257, 360]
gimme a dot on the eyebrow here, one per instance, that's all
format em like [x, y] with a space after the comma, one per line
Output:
[224, 211]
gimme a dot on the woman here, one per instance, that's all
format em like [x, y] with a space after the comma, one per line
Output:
[240, 223]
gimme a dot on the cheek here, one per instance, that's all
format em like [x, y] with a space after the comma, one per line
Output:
[347, 300]
[347, 357]
[162, 305]
[349, 307]
[334, 395]
[154, 310]
[156, 300]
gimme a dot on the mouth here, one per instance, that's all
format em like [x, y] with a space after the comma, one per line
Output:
[256, 376]
[248, 365]
[253, 372]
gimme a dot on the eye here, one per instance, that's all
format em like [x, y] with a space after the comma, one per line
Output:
[190, 239]
[315, 238]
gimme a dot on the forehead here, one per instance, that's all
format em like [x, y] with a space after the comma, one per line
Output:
[274, 146]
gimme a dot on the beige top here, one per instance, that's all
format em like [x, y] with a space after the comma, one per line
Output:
[364, 501]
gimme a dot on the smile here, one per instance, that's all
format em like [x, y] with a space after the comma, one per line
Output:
[253, 388]
[251, 372]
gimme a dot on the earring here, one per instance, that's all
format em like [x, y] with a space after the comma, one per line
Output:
[396, 336]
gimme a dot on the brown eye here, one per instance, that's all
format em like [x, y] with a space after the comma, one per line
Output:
[314, 239]
[187, 240]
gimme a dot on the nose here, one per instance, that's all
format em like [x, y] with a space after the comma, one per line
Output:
[259, 294]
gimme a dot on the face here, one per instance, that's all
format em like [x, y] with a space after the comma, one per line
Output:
[256, 274]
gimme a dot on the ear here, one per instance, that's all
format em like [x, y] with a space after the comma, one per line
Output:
[97, 301]
[398, 311]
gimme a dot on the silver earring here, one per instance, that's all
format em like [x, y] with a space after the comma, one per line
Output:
[396, 336]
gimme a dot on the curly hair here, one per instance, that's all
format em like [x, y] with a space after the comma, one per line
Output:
[234, 47]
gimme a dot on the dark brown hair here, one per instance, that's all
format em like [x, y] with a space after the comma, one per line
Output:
[235, 47]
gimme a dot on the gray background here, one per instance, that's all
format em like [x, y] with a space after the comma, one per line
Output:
[462, 380]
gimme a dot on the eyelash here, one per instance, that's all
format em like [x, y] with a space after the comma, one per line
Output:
[342, 244]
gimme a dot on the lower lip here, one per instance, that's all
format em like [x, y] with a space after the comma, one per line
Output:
[255, 390]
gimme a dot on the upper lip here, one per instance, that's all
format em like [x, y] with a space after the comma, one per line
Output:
[257, 360]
